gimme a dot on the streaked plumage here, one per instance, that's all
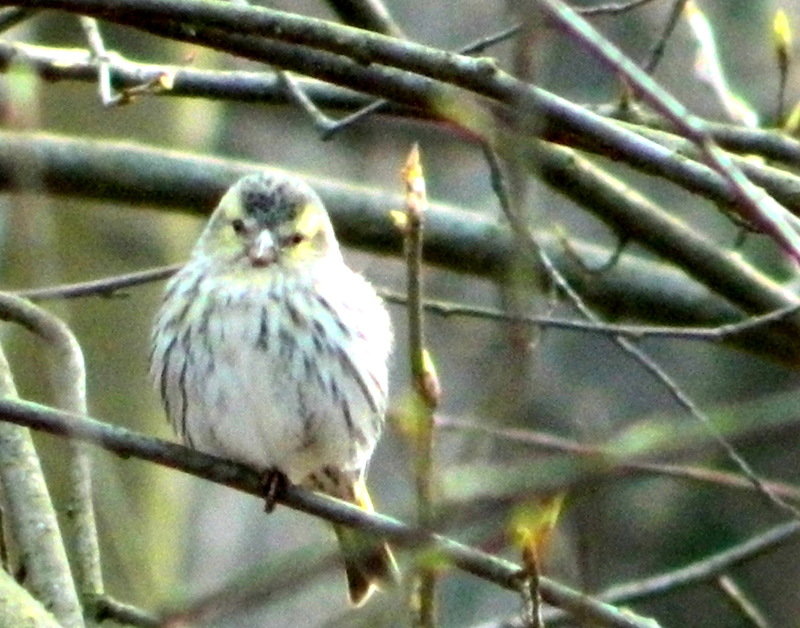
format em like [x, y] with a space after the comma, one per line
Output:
[269, 351]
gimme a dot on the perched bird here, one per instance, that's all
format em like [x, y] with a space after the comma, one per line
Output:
[268, 350]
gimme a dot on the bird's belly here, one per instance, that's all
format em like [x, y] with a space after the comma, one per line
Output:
[270, 406]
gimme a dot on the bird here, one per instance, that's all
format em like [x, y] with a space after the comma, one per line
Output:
[270, 351]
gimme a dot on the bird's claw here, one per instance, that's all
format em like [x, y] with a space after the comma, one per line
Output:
[274, 483]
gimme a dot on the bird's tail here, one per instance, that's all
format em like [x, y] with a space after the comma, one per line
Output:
[368, 561]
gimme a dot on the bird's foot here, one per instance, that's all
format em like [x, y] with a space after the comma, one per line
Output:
[274, 483]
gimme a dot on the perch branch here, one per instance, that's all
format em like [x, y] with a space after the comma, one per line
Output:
[127, 443]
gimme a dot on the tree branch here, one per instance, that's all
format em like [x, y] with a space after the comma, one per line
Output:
[59, 64]
[455, 239]
[703, 570]
[419, 76]
[754, 205]
[31, 520]
[242, 478]
[69, 382]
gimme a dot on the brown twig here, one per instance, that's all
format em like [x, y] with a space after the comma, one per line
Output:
[657, 51]
[704, 570]
[606, 459]
[423, 377]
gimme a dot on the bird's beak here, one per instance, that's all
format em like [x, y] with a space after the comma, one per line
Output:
[262, 251]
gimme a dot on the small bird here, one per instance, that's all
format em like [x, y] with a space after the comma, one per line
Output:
[268, 350]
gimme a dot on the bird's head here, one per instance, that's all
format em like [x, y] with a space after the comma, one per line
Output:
[266, 219]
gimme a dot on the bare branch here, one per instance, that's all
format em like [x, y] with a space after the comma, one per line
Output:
[704, 570]
[69, 380]
[30, 518]
[107, 287]
[72, 64]
[425, 77]
[657, 51]
[455, 239]
[242, 478]
[740, 602]
[531, 245]
[423, 377]
[598, 461]
[755, 205]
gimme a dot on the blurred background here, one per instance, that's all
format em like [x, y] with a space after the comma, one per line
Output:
[172, 542]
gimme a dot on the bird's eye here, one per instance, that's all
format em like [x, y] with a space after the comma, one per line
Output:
[238, 226]
[296, 238]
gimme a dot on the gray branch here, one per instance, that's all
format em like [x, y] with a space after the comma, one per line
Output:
[455, 239]
[31, 524]
[420, 76]
[68, 374]
[245, 479]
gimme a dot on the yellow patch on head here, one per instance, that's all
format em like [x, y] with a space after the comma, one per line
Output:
[312, 225]
[309, 221]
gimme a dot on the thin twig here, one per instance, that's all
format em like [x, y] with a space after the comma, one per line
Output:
[327, 127]
[718, 333]
[322, 123]
[487, 41]
[782, 38]
[242, 478]
[753, 203]
[107, 287]
[531, 595]
[607, 459]
[612, 8]
[740, 602]
[704, 570]
[101, 59]
[105, 607]
[423, 377]
[675, 391]
[657, 51]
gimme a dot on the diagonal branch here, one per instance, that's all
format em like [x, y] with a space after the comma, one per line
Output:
[755, 205]
[242, 478]
[455, 239]
[420, 76]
